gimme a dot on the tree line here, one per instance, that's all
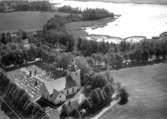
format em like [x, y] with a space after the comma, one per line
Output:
[87, 14]
[110, 54]
[69, 9]
[26, 6]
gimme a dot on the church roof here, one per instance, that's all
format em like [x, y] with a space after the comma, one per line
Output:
[69, 82]
[58, 84]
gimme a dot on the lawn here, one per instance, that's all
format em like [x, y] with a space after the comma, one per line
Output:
[148, 93]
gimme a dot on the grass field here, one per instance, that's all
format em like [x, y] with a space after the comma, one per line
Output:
[28, 21]
[147, 86]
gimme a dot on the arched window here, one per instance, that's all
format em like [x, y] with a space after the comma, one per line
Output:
[73, 89]
[67, 92]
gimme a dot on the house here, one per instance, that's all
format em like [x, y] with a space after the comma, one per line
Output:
[126, 61]
[13, 35]
[26, 44]
[57, 97]
[153, 58]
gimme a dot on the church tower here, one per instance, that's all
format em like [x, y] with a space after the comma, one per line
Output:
[74, 72]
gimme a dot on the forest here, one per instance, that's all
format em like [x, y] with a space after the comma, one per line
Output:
[26, 6]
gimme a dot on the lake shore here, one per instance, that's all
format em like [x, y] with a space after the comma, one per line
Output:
[78, 29]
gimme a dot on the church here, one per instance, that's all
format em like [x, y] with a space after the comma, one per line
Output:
[39, 84]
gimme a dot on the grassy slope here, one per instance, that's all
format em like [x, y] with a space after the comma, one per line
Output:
[75, 27]
[148, 93]
[25, 20]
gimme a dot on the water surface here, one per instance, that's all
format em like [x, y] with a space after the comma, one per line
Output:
[136, 19]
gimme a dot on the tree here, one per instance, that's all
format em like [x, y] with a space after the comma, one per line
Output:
[109, 77]
[99, 57]
[90, 61]
[4, 83]
[86, 104]
[64, 60]
[3, 38]
[96, 100]
[98, 81]
[99, 100]
[86, 70]
[76, 114]
[64, 111]
[124, 96]
[94, 14]
[69, 9]
[83, 65]
[108, 89]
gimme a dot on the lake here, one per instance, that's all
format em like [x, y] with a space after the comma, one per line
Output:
[136, 19]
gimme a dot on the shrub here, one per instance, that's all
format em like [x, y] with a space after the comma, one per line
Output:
[98, 81]
[124, 96]
[108, 89]
[4, 83]
[76, 114]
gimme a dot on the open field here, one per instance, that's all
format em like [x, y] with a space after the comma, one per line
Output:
[28, 21]
[148, 93]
